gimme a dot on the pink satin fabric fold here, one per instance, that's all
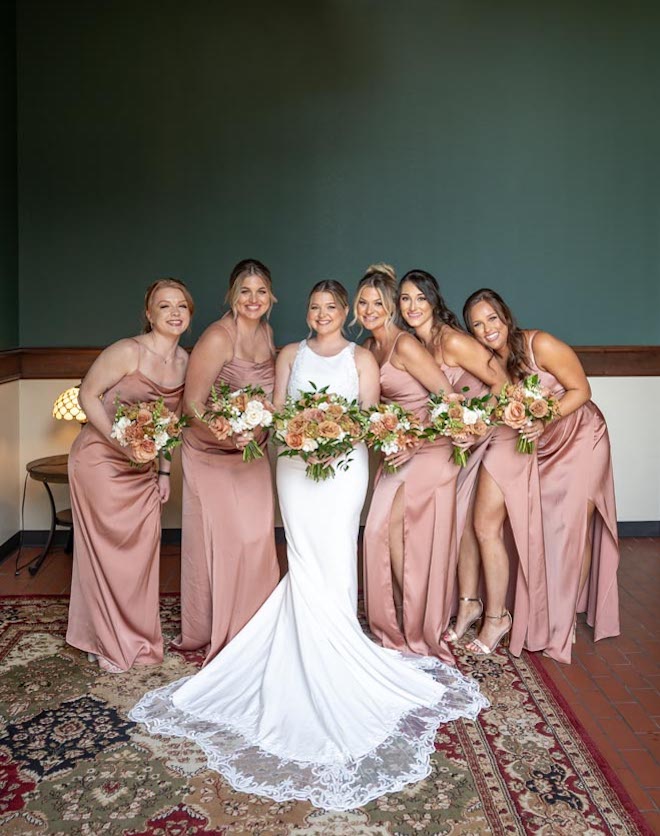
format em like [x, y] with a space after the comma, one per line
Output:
[517, 476]
[575, 468]
[228, 559]
[428, 482]
[116, 509]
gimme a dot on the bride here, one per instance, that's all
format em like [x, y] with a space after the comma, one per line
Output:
[301, 704]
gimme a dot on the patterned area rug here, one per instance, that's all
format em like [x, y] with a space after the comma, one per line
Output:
[71, 763]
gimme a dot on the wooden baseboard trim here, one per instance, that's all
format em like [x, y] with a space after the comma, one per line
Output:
[67, 363]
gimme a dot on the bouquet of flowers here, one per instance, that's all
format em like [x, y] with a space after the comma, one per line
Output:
[148, 428]
[522, 403]
[319, 426]
[458, 418]
[391, 429]
[238, 413]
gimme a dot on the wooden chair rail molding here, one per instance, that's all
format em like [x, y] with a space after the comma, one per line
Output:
[50, 363]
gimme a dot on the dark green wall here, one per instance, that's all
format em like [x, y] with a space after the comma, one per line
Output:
[509, 144]
[8, 228]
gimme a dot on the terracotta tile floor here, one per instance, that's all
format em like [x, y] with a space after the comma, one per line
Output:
[613, 686]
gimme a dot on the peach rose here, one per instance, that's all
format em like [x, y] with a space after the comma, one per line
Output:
[517, 394]
[480, 427]
[143, 417]
[539, 409]
[455, 412]
[220, 427]
[240, 402]
[334, 411]
[514, 415]
[133, 434]
[379, 430]
[455, 397]
[390, 421]
[294, 440]
[311, 430]
[329, 429]
[143, 451]
[317, 415]
[297, 424]
[173, 429]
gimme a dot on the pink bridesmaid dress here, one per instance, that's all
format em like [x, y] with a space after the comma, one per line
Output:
[228, 559]
[575, 467]
[517, 476]
[428, 481]
[467, 476]
[116, 509]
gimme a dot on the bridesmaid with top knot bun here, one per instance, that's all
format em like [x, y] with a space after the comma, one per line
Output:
[116, 504]
[228, 560]
[467, 364]
[410, 549]
[577, 486]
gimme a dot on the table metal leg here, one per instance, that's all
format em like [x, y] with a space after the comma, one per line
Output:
[53, 515]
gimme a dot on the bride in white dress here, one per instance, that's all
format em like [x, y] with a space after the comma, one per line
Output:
[301, 704]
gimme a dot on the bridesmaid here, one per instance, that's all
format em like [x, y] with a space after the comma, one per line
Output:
[116, 506]
[410, 535]
[228, 560]
[575, 467]
[508, 499]
[466, 363]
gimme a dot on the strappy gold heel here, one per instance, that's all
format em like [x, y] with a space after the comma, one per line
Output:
[452, 636]
[482, 649]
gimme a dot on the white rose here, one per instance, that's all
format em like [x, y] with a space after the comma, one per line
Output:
[238, 425]
[266, 418]
[375, 417]
[323, 406]
[438, 410]
[390, 447]
[253, 414]
[470, 416]
[160, 440]
[309, 445]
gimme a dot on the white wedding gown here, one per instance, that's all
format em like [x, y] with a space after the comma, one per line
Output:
[301, 704]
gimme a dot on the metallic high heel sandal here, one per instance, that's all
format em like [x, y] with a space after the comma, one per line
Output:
[503, 638]
[452, 636]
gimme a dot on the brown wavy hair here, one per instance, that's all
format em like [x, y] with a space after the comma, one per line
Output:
[428, 285]
[177, 284]
[518, 363]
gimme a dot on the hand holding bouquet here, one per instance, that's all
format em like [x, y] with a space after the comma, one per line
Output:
[520, 404]
[391, 429]
[148, 428]
[241, 412]
[319, 426]
[460, 419]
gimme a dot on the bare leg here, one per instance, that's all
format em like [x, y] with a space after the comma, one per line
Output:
[489, 516]
[397, 550]
[468, 579]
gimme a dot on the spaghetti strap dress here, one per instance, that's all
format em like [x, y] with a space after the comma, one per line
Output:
[228, 559]
[428, 481]
[575, 467]
[116, 511]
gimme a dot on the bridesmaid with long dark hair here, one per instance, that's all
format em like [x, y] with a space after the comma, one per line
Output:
[467, 364]
[228, 560]
[116, 504]
[577, 487]
[410, 549]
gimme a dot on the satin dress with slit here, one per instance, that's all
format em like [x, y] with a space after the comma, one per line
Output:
[575, 467]
[301, 704]
[517, 476]
[428, 482]
[116, 511]
[228, 559]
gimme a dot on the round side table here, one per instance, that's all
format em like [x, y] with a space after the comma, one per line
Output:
[52, 470]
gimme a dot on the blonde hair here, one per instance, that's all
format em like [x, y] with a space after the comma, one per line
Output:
[177, 284]
[335, 289]
[382, 277]
[245, 268]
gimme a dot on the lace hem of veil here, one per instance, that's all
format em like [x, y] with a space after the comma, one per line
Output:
[401, 757]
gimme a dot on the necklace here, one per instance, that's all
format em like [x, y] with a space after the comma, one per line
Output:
[164, 360]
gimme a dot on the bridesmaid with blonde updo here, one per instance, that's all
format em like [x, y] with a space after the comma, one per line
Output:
[228, 560]
[467, 364]
[116, 504]
[410, 549]
[575, 469]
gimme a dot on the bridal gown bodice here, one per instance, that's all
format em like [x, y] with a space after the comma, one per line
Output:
[301, 704]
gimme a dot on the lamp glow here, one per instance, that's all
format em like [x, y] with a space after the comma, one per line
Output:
[67, 408]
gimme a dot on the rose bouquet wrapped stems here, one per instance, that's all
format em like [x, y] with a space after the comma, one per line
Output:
[148, 429]
[319, 427]
[460, 419]
[391, 429]
[522, 403]
[239, 412]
